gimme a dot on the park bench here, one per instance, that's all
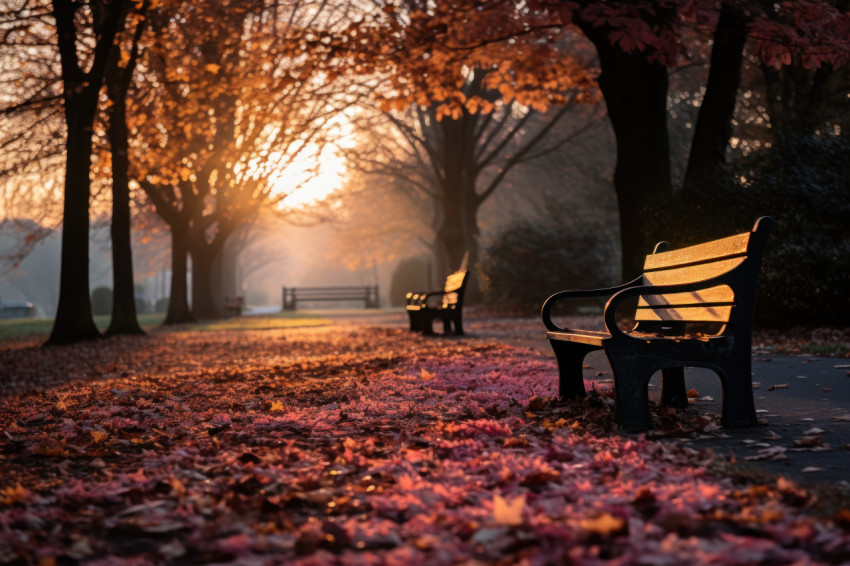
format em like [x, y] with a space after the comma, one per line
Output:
[424, 307]
[233, 306]
[366, 293]
[694, 309]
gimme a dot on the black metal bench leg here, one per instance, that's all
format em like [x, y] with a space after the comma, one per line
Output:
[458, 324]
[447, 325]
[413, 321]
[673, 393]
[631, 382]
[739, 409]
[426, 325]
[570, 357]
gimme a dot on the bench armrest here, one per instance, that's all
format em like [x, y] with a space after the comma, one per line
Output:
[610, 314]
[420, 297]
[545, 311]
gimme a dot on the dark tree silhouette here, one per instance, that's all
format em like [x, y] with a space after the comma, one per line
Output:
[81, 89]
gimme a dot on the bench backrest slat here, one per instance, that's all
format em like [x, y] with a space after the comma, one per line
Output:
[692, 264]
[716, 249]
[454, 288]
[691, 273]
[720, 294]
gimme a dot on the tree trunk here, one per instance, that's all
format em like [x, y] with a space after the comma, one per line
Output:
[204, 303]
[457, 218]
[635, 93]
[124, 319]
[178, 302]
[714, 123]
[227, 269]
[74, 321]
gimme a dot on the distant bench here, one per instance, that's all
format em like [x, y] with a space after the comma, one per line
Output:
[293, 295]
[233, 306]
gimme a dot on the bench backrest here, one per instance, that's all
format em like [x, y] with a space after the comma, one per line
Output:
[454, 288]
[736, 258]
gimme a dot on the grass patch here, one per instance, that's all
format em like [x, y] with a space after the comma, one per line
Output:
[41, 327]
[23, 328]
[264, 322]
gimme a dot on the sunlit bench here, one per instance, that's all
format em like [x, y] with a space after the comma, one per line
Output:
[694, 308]
[423, 307]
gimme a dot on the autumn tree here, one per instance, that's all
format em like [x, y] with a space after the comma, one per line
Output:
[448, 167]
[455, 126]
[119, 76]
[236, 96]
[82, 37]
[636, 43]
[83, 51]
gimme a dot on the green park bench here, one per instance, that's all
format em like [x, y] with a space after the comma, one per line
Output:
[694, 308]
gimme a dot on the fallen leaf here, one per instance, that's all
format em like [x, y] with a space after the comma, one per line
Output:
[807, 441]
[508, 513]
[427, 374]
[98, 436]
[604, 524]
[809, 469]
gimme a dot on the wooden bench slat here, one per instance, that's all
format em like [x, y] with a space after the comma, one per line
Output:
[733, 245]
[719, 294]
[454, 282]
[719, 313]
[693, 273]
[590, 337]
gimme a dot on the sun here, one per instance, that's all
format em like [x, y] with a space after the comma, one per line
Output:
[310, 179]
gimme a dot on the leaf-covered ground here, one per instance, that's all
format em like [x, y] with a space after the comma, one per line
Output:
[357, 446]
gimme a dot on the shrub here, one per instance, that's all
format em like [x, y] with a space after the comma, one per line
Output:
[162, 305]
[101, 301]
[530, 260]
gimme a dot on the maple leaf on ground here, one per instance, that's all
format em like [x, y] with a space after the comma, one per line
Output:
[508, 513]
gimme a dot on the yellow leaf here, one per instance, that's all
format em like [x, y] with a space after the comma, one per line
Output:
[427, 374]
[11, 495]
[604, 524]
[507, 513]
[276, 406]
[98, 436]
